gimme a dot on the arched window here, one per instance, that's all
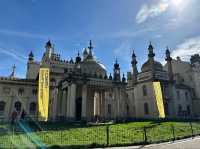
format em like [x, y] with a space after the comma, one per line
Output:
[2, 107]
[186, 95]
[166, 109]
[109, 108]
[18, 106]
[32, 108]
[144, 89]
[146, 108]
[127, 110]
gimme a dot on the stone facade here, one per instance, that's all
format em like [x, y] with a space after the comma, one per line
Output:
[81, 89]
[179, 83]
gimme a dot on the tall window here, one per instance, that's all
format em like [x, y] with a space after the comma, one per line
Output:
[34, 92]
[2, 107]
[188, 110]
[144, 88]
[32, 108]
[146, 108]
[186, 95]
[109, 108]
[166, 109]
[179, 110]
[127, 110]
[178, 94]
[18, 106]
[21, 91]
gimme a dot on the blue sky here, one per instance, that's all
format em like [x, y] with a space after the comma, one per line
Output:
[115, 27]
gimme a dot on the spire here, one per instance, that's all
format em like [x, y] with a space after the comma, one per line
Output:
[116, 71]
[116, 65]
[31, 56]
[48, 44]
[134, 61]
[169, 65]
[134, 67]
[90, 47]
[12, 75]
[168, 56]
[150, 49]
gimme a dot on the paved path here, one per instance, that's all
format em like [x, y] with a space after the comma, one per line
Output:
[181, 144]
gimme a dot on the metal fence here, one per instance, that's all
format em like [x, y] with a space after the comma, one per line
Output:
[99, 136]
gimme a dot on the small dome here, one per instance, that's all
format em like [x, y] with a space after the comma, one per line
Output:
[147, 66]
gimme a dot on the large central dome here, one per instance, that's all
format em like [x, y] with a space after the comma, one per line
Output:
[147, 66]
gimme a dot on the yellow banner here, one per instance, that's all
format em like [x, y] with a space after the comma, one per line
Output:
[43, 95]
[159, 99]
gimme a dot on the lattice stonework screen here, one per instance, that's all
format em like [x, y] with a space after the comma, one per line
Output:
[159, 99]
[43, 95]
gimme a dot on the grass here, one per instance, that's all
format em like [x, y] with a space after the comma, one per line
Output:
[119, 134]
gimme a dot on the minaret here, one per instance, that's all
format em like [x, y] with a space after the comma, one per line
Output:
[151, 59]
[134, 67]
[49, 49]
[151, 53]
[116, 71]
[169, 64]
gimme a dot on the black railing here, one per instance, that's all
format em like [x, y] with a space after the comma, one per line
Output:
[102, 135]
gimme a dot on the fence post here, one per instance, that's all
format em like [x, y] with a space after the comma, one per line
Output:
[173, 132]
[61, 137]
[107, 135]
[191, 129]
[145, 135]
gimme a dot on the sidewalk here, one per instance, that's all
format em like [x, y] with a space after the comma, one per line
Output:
[190, 143]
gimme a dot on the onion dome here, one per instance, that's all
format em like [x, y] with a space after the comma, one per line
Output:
[78, 58]
[123, 78]
[31, 56]
[147, 66]
[116, 65]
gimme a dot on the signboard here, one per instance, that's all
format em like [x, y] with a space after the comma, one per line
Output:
[43, 95]
[159, 99]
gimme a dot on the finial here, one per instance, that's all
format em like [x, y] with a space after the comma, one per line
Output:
[133, 54]
[90, 45]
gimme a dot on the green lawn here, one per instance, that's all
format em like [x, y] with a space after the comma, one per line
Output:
[119, 134]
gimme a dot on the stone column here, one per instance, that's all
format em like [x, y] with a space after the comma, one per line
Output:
[84, 102]
[103, 104]
[68, 101]
[96, 104]
[72, 101]
[63, 102]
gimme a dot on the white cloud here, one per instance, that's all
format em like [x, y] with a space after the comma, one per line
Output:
[13, 54]
[187, 48]
[22, 34]
[150, 11]
[123, 52]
